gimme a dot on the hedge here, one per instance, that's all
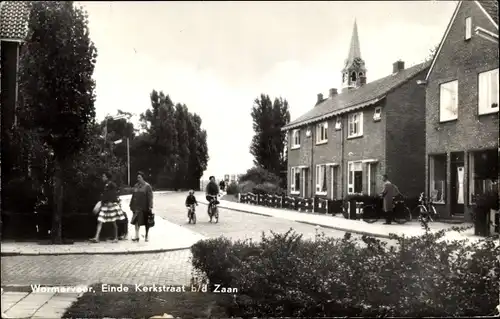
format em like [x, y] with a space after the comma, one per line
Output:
[286, 276]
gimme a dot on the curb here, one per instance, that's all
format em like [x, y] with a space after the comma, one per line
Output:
[151, 251]
[242, 211]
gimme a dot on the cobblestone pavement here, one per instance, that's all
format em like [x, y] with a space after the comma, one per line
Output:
[159, 268]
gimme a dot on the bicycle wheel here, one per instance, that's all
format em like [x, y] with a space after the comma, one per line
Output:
[345, 213]
[194, 218]
[417, 212]
[216, 215]
[369, 214]
[402, 215]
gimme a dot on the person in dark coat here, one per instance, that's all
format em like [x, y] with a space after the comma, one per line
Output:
[222, 185]
[110, 211]
[388, 194]
[141, 205]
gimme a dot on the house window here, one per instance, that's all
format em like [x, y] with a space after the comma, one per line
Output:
[334, 181]
[355, 124]
[448, 102]
[321, 180]
[338, 124]
[295, 180]
[322, 133]
[488, 92]
[295, 139]
[355, 178]
[372, 179]
[437, 172]
[468, 28]
[483, 173]
[377, 114]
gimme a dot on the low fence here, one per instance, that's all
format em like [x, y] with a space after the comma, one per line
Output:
[310, 205]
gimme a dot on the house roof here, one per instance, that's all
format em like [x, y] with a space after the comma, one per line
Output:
[14, 20]
[367, 94]
[490, 9]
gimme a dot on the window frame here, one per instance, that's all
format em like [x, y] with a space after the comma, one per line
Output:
[484, 106]
[321, 180]
[334, 172]
[468, 28]
[338, 123]
[359, 123]
[322, 133]
[377, 116]
[442, 87]
[295, 139]
[432, 166]
[293, 186]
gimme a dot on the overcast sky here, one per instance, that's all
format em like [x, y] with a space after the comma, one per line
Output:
[217, 57]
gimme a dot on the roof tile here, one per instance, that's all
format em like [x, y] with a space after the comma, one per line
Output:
[366, 93]
[14, 19]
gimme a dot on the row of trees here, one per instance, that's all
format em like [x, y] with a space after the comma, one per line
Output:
[56, 152]
[170, 146]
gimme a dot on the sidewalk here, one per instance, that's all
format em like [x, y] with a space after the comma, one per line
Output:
[164, 236]
[16, 304]
[377, 229]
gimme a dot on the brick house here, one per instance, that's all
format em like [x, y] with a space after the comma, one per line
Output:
[462, 111]
[346, 141]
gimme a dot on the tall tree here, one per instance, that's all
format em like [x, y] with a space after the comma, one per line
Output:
[198, 150]
[56, 85]
[182, 153]
[268, 142]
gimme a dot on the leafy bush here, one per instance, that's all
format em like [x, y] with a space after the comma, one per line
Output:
[286, 276]
[258, 175]
[268, 188]
[233, 189]
[246, 187]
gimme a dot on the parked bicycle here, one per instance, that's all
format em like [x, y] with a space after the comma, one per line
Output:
[372, 212]
[192, 214]
[425, 210]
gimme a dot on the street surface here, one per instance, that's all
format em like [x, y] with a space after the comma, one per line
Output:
[159, 268]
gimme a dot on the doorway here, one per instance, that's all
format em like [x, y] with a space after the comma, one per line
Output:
[457, 184]
[305, 182]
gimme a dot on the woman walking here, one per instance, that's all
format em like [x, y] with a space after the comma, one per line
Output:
[110, 210]
[141, 205]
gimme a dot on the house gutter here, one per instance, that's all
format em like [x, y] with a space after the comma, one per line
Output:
[332, 114]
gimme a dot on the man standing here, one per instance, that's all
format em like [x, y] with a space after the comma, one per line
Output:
[388, 194]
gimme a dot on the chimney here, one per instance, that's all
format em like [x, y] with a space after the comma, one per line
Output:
[320, 98]
[333, 92]
[398, 66]
[362, 80]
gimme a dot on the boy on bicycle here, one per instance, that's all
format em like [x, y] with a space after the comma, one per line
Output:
[191, 200]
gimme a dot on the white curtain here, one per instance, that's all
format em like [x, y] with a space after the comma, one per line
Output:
[460, 175]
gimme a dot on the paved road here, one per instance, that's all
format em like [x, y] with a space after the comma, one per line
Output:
[161, 268]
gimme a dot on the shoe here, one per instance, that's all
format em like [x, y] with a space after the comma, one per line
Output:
[387, 223]
[135, 239]
[93, 240]
[146, 240]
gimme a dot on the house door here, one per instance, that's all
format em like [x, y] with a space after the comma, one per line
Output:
[305, 182]
[457, 184]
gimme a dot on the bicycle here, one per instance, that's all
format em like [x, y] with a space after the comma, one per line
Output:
[372, 212]
[426, 210]
[213, 209]
[192, 214]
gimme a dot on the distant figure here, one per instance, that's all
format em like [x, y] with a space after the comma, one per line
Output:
[141, 205]
[388, 194]
[110, 210]
[222, 185]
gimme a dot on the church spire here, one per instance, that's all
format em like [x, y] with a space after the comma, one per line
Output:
[354, 49]
[354, 72]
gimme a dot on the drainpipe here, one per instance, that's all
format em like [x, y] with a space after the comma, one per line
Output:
[342, 170]
[313, 170]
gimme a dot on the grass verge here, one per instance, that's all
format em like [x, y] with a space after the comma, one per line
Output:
[230, 198]
[132, 304]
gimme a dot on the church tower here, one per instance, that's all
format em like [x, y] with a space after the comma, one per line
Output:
[354, 72]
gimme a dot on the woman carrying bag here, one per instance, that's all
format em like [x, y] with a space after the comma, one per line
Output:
[141, 205]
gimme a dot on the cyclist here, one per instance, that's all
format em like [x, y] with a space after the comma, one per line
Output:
[191, 201]
[212, 191]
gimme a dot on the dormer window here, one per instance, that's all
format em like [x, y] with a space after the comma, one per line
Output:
[468, 28]
[338, 124]
[377, 114]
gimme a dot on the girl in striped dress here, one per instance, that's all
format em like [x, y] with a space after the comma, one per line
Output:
[110, 208]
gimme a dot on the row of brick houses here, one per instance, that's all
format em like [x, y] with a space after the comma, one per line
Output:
[432, 127]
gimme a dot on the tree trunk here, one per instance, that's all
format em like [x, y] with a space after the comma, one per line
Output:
[56, 231]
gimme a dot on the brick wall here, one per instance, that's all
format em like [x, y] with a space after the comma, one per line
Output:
[405, 136]
[462, 60]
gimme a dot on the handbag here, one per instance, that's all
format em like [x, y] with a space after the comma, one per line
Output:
[97, 208]
[151, 219]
